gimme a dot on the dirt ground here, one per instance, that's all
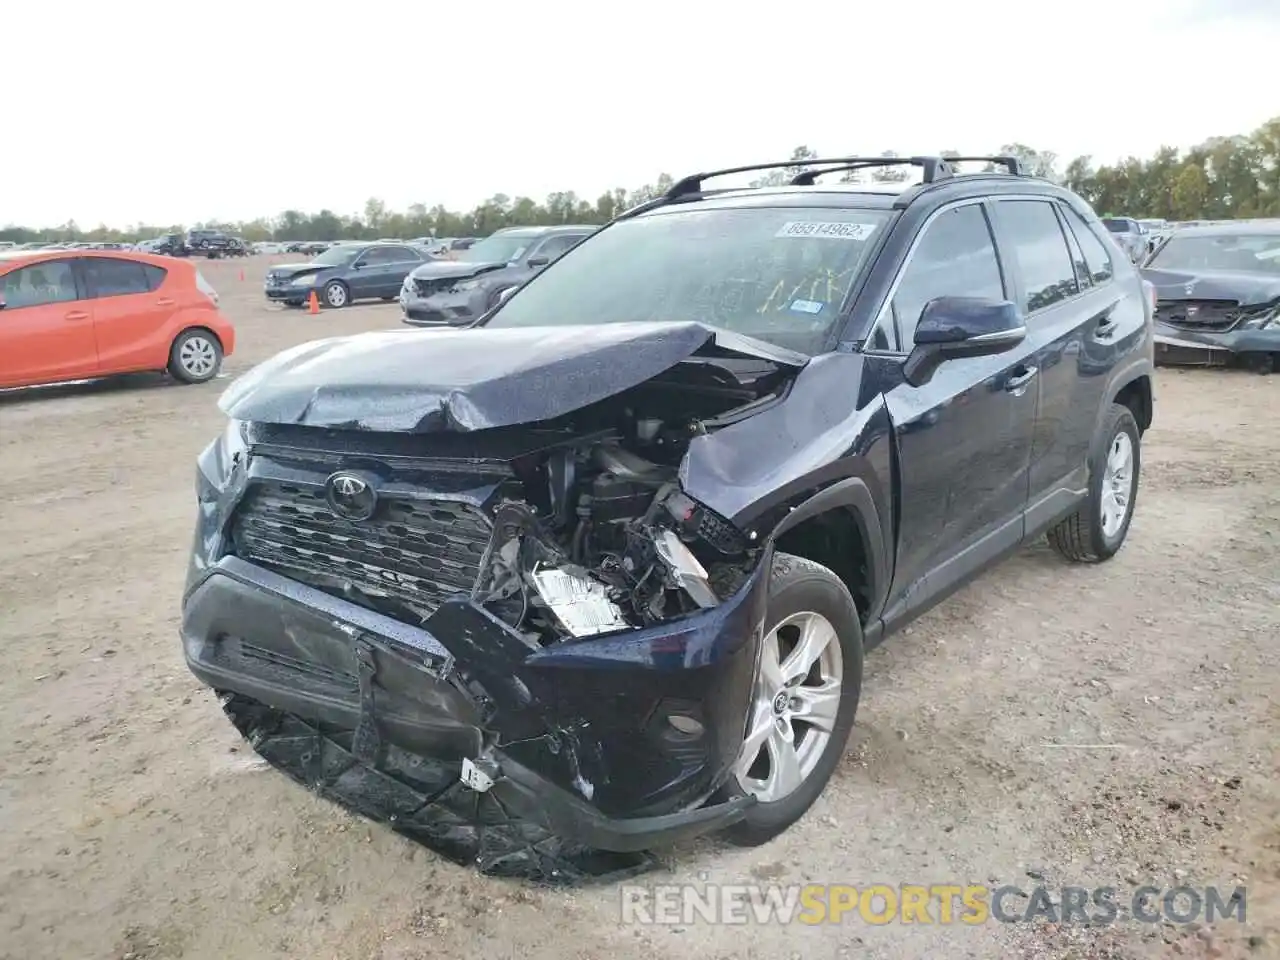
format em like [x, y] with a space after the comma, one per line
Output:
[1111, 725]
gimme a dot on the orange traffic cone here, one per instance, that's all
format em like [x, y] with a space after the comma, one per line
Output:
[313, 306]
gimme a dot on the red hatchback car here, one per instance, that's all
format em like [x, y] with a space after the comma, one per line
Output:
[77, 314]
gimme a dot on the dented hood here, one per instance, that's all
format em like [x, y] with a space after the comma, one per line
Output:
[1246, 289]
[470, 379]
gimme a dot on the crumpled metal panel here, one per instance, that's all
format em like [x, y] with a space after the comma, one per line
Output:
[423, 800]
[468, 379]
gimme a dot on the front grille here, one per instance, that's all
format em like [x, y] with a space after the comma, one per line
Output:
[429, 286]
[1199, 314]
[418, 551]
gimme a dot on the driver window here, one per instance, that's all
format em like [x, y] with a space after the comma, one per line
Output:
[956, 257]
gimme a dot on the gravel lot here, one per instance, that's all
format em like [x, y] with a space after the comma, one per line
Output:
[1111, 725]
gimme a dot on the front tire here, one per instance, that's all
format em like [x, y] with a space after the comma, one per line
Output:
[195, 357]
[336, 294]
[804, 699]
[1097, 530]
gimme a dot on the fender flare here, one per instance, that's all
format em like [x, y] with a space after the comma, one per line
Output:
[851, 494]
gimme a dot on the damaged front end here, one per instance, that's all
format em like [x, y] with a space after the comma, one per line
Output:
[533, 614]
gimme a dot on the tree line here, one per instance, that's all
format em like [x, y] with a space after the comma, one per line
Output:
[1222, 178]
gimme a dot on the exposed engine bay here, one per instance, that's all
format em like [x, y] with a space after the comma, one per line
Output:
[603, 538]
[561, 529]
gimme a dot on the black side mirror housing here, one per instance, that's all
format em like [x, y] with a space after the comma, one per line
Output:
[955, 327]
[539, 261]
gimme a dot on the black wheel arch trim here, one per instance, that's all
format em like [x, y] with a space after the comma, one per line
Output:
[851, 494]
[1123, 378]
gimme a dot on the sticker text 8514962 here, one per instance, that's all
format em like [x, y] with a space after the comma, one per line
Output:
[826, 229]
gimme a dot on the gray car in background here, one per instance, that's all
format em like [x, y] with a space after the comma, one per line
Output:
[456, 291]
[1129, 235]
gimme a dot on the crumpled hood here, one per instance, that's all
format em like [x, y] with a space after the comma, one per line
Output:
[452, 269]
[292, 269]
[470, 379]
[1246, 289]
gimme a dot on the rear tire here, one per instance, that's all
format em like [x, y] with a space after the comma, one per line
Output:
[1097, 530]
[814, 698]
[195, 357]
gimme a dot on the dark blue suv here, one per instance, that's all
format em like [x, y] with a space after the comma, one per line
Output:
[598, 572]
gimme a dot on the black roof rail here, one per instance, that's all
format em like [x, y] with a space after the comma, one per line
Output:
[932, 168]
[1011, 164]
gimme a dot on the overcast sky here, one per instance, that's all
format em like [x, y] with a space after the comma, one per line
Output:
[128, 111]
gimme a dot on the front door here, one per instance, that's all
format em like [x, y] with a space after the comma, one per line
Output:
[46, 328]
[963, 438]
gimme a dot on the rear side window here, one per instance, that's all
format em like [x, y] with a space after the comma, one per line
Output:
[401, 254]
[155, 275]
[1096, 258]
[49, 282]
[954, 258]
[1035, 237]
[114, 278]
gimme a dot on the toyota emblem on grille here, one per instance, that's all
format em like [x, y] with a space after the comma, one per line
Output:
[351, 496]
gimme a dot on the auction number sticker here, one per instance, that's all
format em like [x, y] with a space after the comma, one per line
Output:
[829, 230]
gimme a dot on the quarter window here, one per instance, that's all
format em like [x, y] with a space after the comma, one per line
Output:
[155, 275]
[955, 258]
[1038, 246]
[1083, 277]
[1095, 252]
[48, 282]
[114, 278]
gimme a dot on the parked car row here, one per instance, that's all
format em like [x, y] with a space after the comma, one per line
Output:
[433, 290]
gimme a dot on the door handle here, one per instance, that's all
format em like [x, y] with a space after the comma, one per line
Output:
[166, 302]
[1022, 375]
[76, 315]
[1104, 328]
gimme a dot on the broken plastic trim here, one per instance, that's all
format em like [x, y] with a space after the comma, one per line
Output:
[425, 801]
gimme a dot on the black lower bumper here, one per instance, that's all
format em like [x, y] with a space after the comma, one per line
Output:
[1175, 345]
[576, 737]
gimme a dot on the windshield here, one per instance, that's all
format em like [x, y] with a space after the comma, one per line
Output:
[335, 256]
[500, 248]
[1239, 253]
[779, 274]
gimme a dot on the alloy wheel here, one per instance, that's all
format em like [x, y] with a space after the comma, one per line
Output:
[336, 295]
[795, 703]
[1117, 484]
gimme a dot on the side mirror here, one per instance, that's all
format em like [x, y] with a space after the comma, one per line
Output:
[358, 265]
[539, 261]
[955, 327]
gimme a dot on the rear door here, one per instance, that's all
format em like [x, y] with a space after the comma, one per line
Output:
[1081, 321]
[46, 325]
[131, 313]
[963, 438]
[401, 261]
